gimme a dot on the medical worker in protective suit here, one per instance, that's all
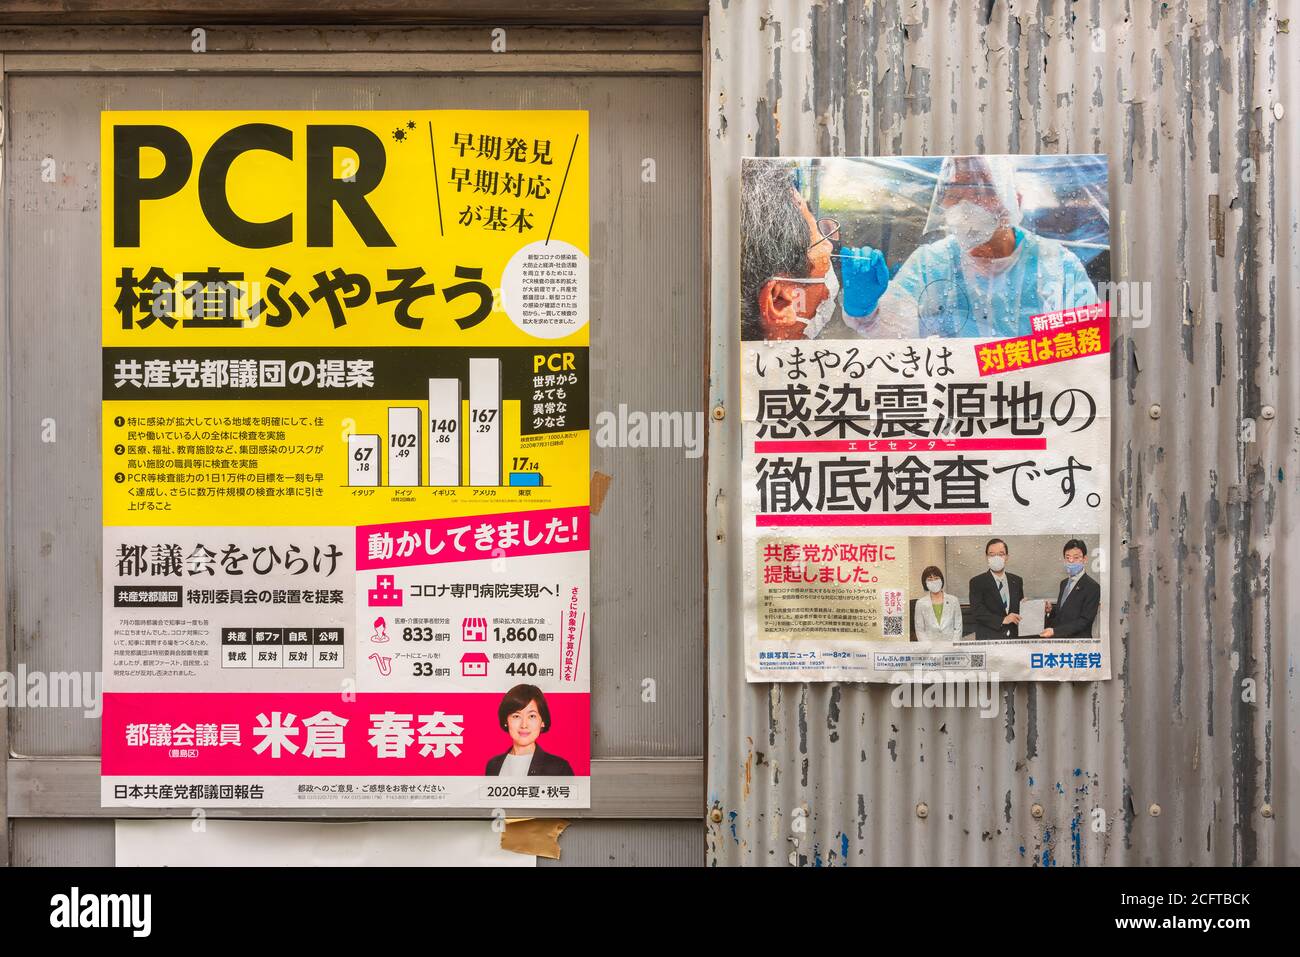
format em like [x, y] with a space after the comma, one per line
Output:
[984, 279]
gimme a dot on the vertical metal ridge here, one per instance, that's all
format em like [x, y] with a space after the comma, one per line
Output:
[1180, 96]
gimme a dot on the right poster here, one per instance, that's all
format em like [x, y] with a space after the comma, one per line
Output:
[925, 348]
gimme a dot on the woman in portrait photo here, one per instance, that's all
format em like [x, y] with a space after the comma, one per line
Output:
[937, 615]
[524, 716]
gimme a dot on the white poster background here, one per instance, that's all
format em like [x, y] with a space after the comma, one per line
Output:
[772, 365]
[175, 843]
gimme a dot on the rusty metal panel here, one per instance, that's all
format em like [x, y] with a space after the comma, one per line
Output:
[91, 843]
[595, 12]
[1191, 751]
[83, 843]
[629, 844]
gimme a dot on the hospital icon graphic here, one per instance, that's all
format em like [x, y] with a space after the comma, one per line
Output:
[384, 594]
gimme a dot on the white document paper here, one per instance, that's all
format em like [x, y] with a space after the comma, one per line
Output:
[175, 843]
[1033, 616]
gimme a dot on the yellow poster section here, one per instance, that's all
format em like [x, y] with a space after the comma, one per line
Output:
[275, 461]
[302, 479]
[263, 186]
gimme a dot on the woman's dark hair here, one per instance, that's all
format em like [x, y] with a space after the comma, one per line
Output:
[517, 698]
[932, 571]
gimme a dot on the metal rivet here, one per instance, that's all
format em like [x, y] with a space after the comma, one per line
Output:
[923, 810]
[1266, 810]
[716, 815]
[1268, 412]
[1036, 810]
[719, 413]
[1154, 810]
[1154, 411]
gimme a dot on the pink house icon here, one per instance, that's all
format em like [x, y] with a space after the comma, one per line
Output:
[474, 664]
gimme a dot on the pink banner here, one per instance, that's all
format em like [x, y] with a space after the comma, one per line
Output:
[477, 538]
[416, 735]
[1059, 337]
[802, 446]
[819, 519]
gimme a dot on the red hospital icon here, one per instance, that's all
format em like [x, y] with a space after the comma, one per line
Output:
[384, 593]
[473, 629]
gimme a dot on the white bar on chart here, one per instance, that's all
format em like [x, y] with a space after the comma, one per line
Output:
[404, 446]
[444, 431]
[484, 421]
[363, 459]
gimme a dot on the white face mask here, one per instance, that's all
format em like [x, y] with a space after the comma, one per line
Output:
[997, 563]
[970, 223]
[814, 324]
[934, 585]
[988, 267]
[817, 323]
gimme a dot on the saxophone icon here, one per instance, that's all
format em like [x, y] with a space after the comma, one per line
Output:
[383, 662]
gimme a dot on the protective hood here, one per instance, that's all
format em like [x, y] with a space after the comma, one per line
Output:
[973, 196]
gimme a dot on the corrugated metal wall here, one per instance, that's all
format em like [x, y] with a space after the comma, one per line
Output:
[1191, 750]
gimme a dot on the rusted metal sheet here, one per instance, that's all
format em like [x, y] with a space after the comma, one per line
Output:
[1190, 753]
[187, 12]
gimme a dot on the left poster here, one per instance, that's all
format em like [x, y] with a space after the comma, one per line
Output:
[345, 458]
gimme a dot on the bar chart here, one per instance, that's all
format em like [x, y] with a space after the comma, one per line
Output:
[404, 446]
[444, 432]
[363, 460]
[457, 439]
[485, 421]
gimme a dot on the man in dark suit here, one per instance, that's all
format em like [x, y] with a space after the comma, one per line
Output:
[1077, 600]
[995, 596]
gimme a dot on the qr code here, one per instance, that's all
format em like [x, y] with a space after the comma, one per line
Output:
[893, 626]
[977, 661]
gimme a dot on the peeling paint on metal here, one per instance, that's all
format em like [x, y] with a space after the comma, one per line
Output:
[1181, 96]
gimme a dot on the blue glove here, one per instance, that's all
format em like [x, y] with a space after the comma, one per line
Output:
[865, 278]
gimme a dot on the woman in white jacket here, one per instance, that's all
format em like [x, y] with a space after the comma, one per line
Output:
[937, 615]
